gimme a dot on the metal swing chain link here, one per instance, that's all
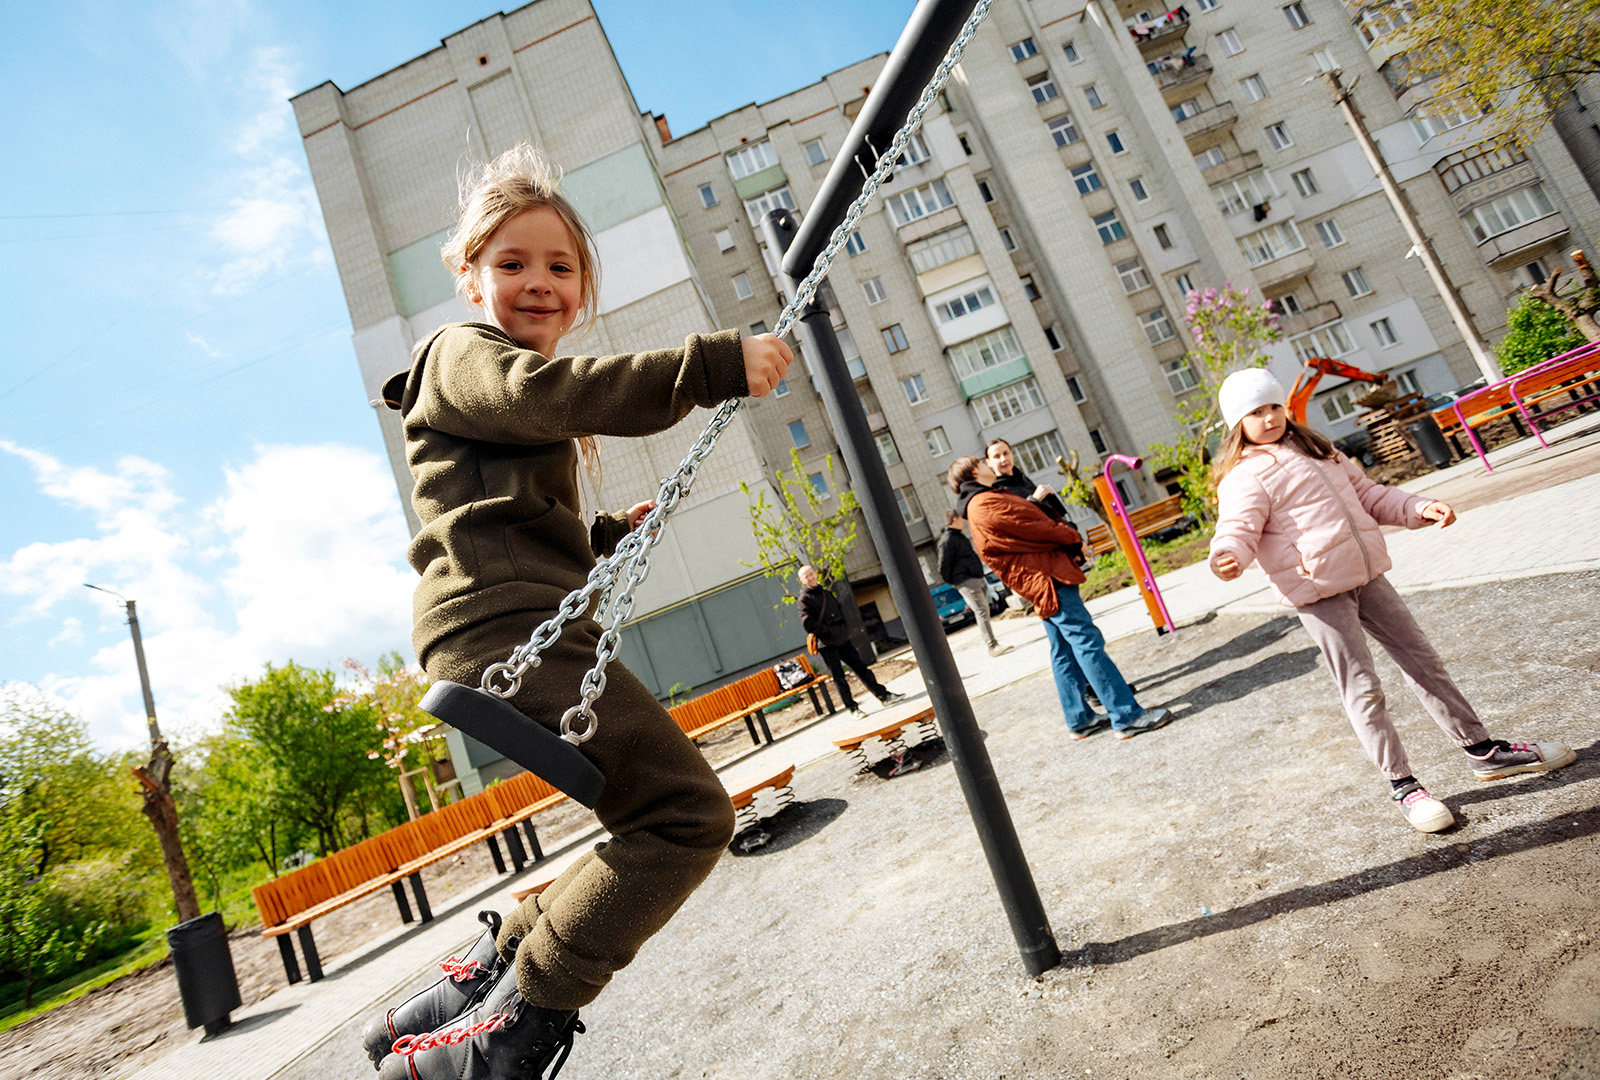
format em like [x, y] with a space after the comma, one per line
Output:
[614, 578]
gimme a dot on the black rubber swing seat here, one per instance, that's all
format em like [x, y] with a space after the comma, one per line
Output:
[497, 723]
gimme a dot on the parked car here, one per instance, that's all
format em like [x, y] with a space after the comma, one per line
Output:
[997, 592]
[953, 611]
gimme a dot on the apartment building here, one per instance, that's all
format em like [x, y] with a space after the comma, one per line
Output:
[1024, 274]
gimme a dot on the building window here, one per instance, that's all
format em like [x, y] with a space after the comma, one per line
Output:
[1304, 182]
[851, 353]
[1324, 61]
[1431, 119]
[1038, 454]
[1075, 388]
[1184, 284]
[1355, 282]
[1072, 53]
[920, 202]
[819, 483]
[751, 159]
[1180, 376]
[1254, 188]
[985, 352]
[708, 197]
[983, 191]
[724, 239]
[910, 506]
[887, 450]
[894, 338]
[1331, 339]
[1008, 402]
[1109, 226]
[1229, 40]
[1029, 289]
[916, 151]
[1042, 89]
[1093, 96]
[941, 248]
[1536, 272]
[1340, 405]
[856, 244]
[1383, 330]
[1296, 14]
[1273, 242]
[1208, 5]
[741, 287]
[1208, 158]
[1062, 130]
[1086, 178]
[1022, 50]
[1052, 338]
[916, 390]
[965, 304]
[1329, 231]
[938, 442]
[1157, 327]
[1475, 163]
[761, 205]
[782, 389]
[1133, 277]
[815, 153]
[875, 291]
[1278, 136]
[1007, 240]
[1408, 382]
[1163, 237]
[1136, 185]
[1098, 441]
[1114, 140]
[1287, 304]
[966, 147]
[798, 436]
[1254, 88]
[1507, 212]
[1184, 109]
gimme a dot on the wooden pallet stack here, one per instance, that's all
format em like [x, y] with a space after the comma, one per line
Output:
[1391, 446]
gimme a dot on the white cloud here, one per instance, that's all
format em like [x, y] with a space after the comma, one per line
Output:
[203, 345]
[300, 558]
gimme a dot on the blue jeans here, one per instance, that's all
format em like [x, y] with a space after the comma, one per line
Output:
[1077, 653]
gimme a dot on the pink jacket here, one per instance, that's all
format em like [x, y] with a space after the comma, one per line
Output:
[1313, 525]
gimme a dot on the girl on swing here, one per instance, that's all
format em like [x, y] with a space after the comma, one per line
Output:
[495, 425]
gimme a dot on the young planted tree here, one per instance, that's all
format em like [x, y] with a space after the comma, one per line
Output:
[1537, 332]
[412, 739]
[802, 527]
[1230, 332]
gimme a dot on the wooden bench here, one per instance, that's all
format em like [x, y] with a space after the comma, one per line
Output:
[1556, 387]
[744, 700]
[888, 728]
[1147, 520]
[1565, 375]
[291, 903]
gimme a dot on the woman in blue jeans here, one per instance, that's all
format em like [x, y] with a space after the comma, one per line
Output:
[1028, 549]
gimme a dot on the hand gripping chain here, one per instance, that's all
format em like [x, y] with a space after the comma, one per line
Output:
[613, 579]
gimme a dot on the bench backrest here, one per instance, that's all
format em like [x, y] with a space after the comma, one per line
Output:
[1145, 519]
[378, 856]
[724, 701]
[1548, 376]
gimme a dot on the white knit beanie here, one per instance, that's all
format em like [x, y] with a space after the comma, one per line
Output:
[1246, 391]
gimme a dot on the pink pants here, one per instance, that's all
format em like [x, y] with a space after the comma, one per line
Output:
[1336, 625]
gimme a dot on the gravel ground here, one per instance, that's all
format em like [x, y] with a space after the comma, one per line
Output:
[1234, 895]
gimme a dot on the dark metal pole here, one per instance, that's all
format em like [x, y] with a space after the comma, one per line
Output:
[985, 801]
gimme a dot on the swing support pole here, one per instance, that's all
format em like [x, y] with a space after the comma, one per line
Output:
[933, 26]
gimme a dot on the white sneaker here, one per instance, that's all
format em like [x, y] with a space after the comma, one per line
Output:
[1423, 811]
[998, 649]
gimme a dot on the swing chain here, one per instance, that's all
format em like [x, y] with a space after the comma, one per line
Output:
[615, 593]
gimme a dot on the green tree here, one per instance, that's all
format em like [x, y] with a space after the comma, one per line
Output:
[1229, 333]
[316, 749]
[1537, 332]
[412, 739]
[801, 528]
[34, 944]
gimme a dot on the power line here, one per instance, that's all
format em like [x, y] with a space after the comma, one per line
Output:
[111, 213]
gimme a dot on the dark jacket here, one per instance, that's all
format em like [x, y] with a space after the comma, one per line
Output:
[957, 561]
[1023, 544]
[822, 614]
[489, 430]
[1019, 484]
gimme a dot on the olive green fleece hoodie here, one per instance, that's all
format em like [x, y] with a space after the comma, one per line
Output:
[489, 430]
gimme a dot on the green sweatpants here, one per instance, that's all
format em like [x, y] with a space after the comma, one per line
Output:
[668, 815]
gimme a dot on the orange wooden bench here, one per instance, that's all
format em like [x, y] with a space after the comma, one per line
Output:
[744, 700]
[888, 727]
[1146, 520]
[289, 904]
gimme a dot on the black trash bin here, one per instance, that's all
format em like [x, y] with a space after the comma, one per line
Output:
[1425, 432]
[204, 966]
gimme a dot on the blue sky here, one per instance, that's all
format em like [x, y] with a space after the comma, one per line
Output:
[181, 418]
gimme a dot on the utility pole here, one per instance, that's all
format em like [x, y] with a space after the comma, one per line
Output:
[155, 778]
[1421, 246]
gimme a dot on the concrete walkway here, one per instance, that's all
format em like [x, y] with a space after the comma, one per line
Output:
[1538, 513]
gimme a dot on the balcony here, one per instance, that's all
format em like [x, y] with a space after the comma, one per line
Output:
[1308, 320]
[1293, 265]
[1159, 35]
[1177, 84]
[877, 422]
[994, 377]
[1520, 241]
[1238, 166]
[1208, 127]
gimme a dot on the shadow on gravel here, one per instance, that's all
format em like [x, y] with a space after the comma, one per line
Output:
[1587, 767]
[1279, 667]
[1510, 841]
[1257, 637]
[792, 825]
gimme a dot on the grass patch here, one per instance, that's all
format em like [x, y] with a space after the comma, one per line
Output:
[150, 948]
[1110, 571]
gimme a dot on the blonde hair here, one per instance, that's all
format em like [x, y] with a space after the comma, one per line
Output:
[520, 179]
[1297, 435]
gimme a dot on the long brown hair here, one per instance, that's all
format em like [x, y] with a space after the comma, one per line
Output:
[1297, 435]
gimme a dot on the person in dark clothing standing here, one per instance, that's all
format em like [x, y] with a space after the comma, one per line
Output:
[960, 566]
[822, 614]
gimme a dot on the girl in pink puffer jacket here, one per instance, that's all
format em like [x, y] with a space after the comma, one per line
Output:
[1288, 500]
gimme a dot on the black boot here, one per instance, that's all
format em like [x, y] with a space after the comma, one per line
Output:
[501, 1038]
[465, 980]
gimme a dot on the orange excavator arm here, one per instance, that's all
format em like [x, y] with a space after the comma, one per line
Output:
[1306, 384]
